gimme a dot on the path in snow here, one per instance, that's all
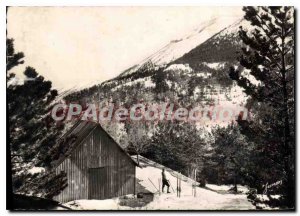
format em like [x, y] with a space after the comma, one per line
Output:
[204, 200]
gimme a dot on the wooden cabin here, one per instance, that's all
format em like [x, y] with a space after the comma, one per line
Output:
[96, 166]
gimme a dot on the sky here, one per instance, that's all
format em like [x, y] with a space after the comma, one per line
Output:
[80, 46]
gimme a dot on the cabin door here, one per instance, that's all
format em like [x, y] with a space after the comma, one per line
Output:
[98, 183]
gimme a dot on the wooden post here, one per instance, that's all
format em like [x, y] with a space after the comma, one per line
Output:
[159, 186]
[193, 183]
[195, 188]
[179, 185]
[134, 184]
[177, 189]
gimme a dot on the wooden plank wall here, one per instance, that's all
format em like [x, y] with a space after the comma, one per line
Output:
[97, 150]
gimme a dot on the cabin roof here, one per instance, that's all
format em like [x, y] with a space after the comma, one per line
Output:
[80, 130]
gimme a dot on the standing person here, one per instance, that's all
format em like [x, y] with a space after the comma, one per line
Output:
[164, 181]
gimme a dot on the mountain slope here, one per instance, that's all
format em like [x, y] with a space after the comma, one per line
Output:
[221, 47]
[193, 69]
[179, 47]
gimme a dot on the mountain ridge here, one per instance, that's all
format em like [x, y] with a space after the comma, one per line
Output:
[179, 47]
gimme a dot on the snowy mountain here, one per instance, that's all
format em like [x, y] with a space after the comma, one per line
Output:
[194, 68]
[203, 44]
[177, 48]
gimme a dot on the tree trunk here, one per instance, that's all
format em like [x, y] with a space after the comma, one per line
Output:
[287, 153]
[235, 185]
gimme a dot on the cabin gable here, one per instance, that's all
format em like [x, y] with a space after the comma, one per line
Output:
[97, 169]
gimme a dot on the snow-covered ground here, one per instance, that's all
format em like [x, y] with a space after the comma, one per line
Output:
[108, 204]
[204, 200]
[226, 188]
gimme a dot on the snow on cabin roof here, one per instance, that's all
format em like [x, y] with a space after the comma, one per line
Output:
[79, 131]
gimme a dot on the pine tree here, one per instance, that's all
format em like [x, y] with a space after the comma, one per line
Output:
[32, 132]
[12, 59]
[230, 155]
[268, 58]
[177, 145]
[138, 138]
[159, 78]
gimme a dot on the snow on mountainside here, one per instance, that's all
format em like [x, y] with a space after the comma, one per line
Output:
[221, 47]
[215, 42]
[177, 48]
[194, 69]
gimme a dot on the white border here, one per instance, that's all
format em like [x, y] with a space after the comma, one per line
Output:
[145, 3]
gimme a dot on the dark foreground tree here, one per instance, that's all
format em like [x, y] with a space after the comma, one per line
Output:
[268, 78]
[32, 132]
